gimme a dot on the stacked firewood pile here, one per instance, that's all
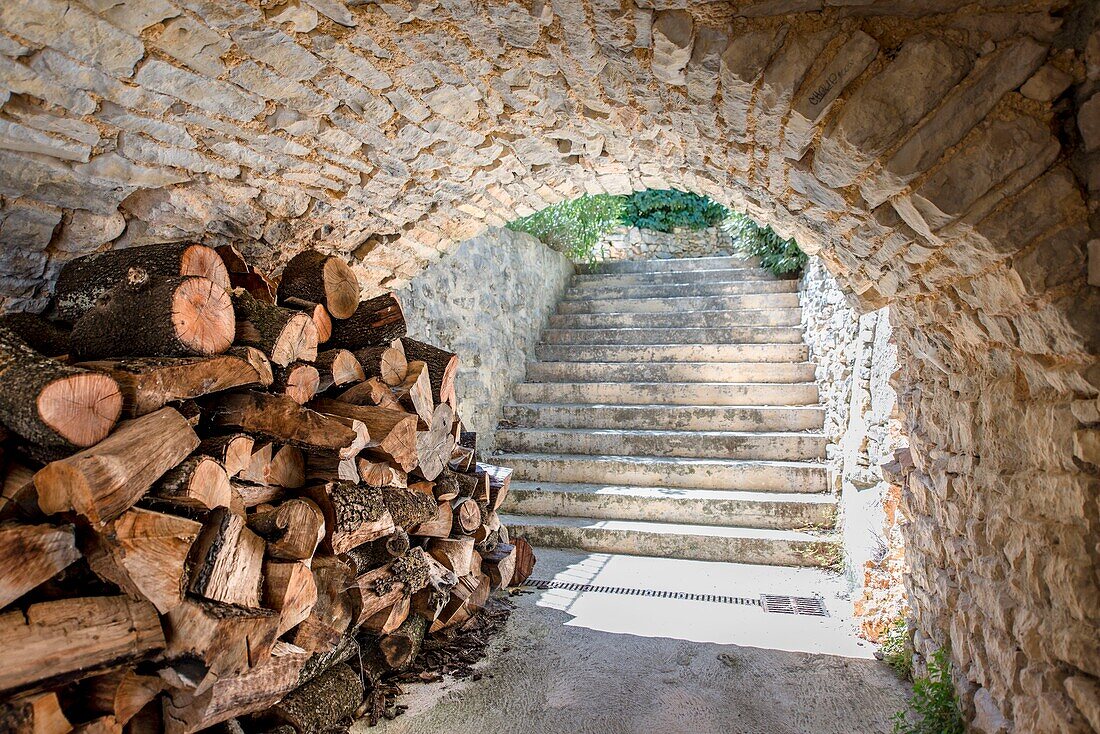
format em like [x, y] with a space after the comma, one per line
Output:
[218, 492]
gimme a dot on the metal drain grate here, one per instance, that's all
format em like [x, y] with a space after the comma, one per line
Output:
[768, 602]
[805, 605]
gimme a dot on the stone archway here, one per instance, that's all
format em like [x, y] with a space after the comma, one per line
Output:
[940, 156]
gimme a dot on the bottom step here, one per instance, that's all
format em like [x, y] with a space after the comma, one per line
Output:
[666, 540]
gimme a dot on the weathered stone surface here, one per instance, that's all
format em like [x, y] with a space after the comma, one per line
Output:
[279, 51]
[193, 44]
[262, 83]
[673, 36]
[133, 16]
[206, 94]
[1088, 121]
[14, 136]
[301, 17]
[742, 63]
[1046, 84]
[780, 81]
[706, 62]
[355, 65]
[335, 10]
[87, 232]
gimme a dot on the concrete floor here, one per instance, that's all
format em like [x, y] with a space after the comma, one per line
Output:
[573, 663]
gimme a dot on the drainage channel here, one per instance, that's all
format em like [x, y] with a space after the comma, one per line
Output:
[773, 603]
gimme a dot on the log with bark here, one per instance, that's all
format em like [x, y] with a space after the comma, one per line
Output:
[120, 694]
[338, 367]
[299, 381]
[442, 367]
[85, 281]
[371, 392]
[225, 639]
[438, 527]
[156, 317]
[243, 275]
[374, 322]
[415, 391]
[381, 473]
[36, 713]
[57, 407]
[42, 335]
[500, 565]
[293, 529]
[500, 478]
[234, 452]
[322, 321]
[324, 702]
[383, 587]
[319, 278]
[525, 562]
[199, 483]
[334, 610]
[281, 418]
[386, 362]
[354, 514]
[467, 515]
[31, 555]
[378, 552]
[392, 432]
[283, 334]
[227, 561]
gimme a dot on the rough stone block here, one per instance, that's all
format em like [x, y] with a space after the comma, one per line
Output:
[354, 65]
[1088, 122]
[265, 84]
[673, 36]
[1046, 84]
[194, 44]
[742, 64]
[133, 16]
[206, 94]
[780, 81]
[279, 51]
[14, 136]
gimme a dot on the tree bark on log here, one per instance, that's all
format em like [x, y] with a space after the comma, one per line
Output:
[409, 507]
[400, 647]
[43, 336]
[31, 555]
[442, 367]
[392, 432]
[438, 527]
[313, 276]
[338, 367]
[321, 319]
[374, 322]
[227, 561]
[284, 335]
[375, 553]
[323, 702]
[199, 483]
[58, 407]
[467, 515]
[279, 417]
[156, 317]
[293, 530]
[105, 480]
[387, 362]
[85, 280]
[354, 514]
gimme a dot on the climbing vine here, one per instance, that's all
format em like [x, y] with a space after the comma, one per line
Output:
[776, 254]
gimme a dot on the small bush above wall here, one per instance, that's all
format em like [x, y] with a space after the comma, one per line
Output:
[664, 210]
[780, 256]
[574, 227]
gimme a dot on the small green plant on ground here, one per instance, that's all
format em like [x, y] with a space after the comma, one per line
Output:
[574, 227]
[665, 210]
[776, 254]
[934, 706]
[896, 650]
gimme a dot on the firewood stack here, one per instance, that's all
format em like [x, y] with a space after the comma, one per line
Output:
[218, 490]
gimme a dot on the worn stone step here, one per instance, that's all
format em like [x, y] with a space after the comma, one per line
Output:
[680, 263]
[672, 540]
[652, 471]
[769, 446]
[777, 510]
[731, 317]
[679, 290]
[670, 371]
[671, 393]
[683, 417]
[718, 275]
[674, 353]
[699, 335]
[608, 304]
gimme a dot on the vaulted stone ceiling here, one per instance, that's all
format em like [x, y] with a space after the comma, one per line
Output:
[940, 155]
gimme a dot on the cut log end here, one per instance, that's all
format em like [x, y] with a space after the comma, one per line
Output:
[341, 288]
[82, 408]
[205, 262]
[298, 341]
[202, 314]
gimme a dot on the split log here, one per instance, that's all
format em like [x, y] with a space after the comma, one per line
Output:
[282, 334]
[256, 471]
[338, 367]
[292, 530]
[393, 433]
[233, 451]
[381, 474]
[321, 319]
[42, 335]
[456, 554]
[120, 694]
[354, 514]
[381, 588]
[525, 562]
[145, 554]
[500, 565]
[387, 362]
[327, 279]
[438, 527]
[415, 391]
[149, 384]
[407, 507]
[467, 515]
[323, 466]
[37, 713]
[244, 275]
[374, 322]
[199, 483]
[431, 600]
[375, 553]
[156, 317]
[442, 367]
[334, 610]
[227, 560]
[446, 486]
[500, 478]
[299, 381]
[322, 703]
[52, 405]
[289, 589]
[18, 496]
[390, 618]
[101, 725]
[105, 480]
[433, 447]
[286, 469]
[31, 555]
[84, 281]
[253, 690]
[371, 392]
[61, 641]
[279, 417]
[474, 486]
[225, 638]
[401, 646]
[468, 596]
[462, 459]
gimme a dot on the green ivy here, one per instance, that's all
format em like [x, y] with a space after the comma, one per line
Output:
[934, 706]
[664, 210]
[574, 227]
[776, 254]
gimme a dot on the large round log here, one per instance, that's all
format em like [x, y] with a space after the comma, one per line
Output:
[156, 317]
[85, 280]
[319, 278]
[53, 405]
[442, 367]
[375, 322]
[41, 335]
[282, 334]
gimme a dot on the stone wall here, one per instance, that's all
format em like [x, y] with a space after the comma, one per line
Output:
[488, 300]
[632, 243]
[856, 358]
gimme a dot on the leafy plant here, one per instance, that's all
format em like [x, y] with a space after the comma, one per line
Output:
[776, 254]
[935, 706]
[896, 650]
[664, 210]
[574, 227]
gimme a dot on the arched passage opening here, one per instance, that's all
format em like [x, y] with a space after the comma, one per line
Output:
[940, 158]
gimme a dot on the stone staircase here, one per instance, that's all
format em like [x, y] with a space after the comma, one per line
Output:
[672, 413]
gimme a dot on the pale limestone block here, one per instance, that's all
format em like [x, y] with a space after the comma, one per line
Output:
[279, 51]
[1094, 262]
[206, 94]
[301, 17]
[69, 28]
[267, 85]
[192, 43]
[165, 132]
[335, 10]
[354, 65]
[742, 64]
[1085, 693]
[133, 16]
[673, 36]
[1046, 84]
[779, 82]
[1088, 122]
[14, 136]
[87, 232]
[705, 63]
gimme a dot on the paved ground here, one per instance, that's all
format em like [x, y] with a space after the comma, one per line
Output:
[573, 663]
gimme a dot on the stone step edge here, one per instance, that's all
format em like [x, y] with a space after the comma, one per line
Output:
[823, 498]
[657, 432]
[766, 463]
[663, 406]
[658, 528]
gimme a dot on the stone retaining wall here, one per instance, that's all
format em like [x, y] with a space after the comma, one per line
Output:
[487, 301]
[632, 243]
